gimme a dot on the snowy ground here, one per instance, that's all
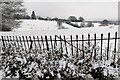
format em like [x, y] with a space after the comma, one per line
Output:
[41, 28]
[38, 27]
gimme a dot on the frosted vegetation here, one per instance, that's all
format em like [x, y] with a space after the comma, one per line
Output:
[56, 65]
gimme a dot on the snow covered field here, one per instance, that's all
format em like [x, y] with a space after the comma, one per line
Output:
[38, 28]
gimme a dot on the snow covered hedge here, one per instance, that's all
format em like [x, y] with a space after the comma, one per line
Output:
[35, 64]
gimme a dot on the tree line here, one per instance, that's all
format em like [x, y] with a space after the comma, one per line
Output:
[26, 16]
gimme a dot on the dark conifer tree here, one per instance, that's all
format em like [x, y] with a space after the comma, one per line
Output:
[33, 16]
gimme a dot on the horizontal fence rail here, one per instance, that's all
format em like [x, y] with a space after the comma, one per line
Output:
[72, 45]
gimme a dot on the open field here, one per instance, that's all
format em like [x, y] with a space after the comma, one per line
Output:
[39, 28]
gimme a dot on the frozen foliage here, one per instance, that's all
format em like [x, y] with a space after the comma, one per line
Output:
[54, 65]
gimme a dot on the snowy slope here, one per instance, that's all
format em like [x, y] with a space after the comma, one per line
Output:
[38, 27]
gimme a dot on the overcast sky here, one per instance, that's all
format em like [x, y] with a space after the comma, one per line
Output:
[88, 10]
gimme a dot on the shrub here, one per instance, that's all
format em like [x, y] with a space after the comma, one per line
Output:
[72, 18]
[90, 24]
[6, 28]
[48, 65]
[105, 22]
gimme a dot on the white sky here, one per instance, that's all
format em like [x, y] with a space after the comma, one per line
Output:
[90, 10]
[71, 0]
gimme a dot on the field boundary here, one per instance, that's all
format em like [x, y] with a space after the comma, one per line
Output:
[74, 45]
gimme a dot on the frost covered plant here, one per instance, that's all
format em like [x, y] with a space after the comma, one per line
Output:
[49, 65]
[99, 69]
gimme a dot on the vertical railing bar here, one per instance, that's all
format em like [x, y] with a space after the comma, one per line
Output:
[27, 42]
[8, 39]
[47, 45]
[95, 46]
[11, 40]
[43, 43]
[3, 41]
[24, 43]
[20, 41]
[115, 46]
[71, 45]
[83, 45]
[61, 44]
[39, 42]
[108, 46]
[14, 40]
[17, 41]
[55, 43]
[31, 43]
[65, 44]
[34, 43]
[51, 43]
[101, 45]
[89, 45]
[77, 45]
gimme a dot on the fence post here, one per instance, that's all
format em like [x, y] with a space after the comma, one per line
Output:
[20, 41]
[83, 46]
[27, 41]
[31, 43]
[11, 39]
[35, 43]
[115, 46]
[71, 45]
[77, 45]
[43, 43]
[47, 43]
[39, 42]
[65, 44]
[95, 46]
[101, 45]
[3, 41]
[24, 43]
[55, 43]
[8, 39]
[61, 44]
[89, 51]
[108, 46]
[51, 43]
[16, 40]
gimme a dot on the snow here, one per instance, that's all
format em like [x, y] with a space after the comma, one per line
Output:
[38, 27]
[41, 28]
[96, 24]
